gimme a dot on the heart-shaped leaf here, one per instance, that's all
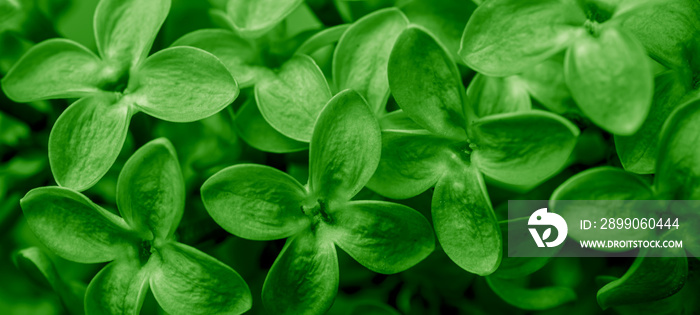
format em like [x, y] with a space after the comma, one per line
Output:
[530, 298]
[464, 220]
[639, 151]
[292, 100]
[677, 167]
[345, 147]
[56, 68]
[505, 37]
[258, 133]
[119, 288]
[497, 95]
[522, 148]
[648, 279]
[73, 227]
[182, 84]
[385, 237]
[436, 103]
[411, 162]
[188, 281]
[253, 18]
[255, 202]
[151, 190]
[86, 139]
[611, 80]
[361, 57]
[125, 29]
[239, 55]
[304, 277]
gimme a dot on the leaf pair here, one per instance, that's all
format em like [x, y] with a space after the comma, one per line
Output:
[140, 244]
[178, 84]
[261, 203]
[606, 68]
[451, 153]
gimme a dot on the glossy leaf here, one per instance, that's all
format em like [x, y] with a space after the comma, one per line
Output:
[361, 57]
[304, 277]
[345, 147]
[255, 202]
[505, 37]
[258, 133]
[56, 68]
[73, 227]
[125, 29]
[545, 82]
[677, 170]
[522, 148]
[86, 139]
[253, 18]
[648, 279]
[292, 100]
[151, 190]
[639, 151]
[411, 162]
[464, 220]
[611, 80]
[385, 237]
[239, 55]
[397, 121]
[435, 103]
[322, 39]
[188, 281]
[530, 298]
[119, 288]
[497, 95]
[182, 84]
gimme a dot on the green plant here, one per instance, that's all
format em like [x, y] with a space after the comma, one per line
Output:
[140, 244]
[261, 203]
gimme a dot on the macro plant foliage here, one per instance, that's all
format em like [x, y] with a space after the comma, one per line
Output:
[397, 131]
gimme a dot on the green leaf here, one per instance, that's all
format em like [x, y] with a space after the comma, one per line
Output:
[639, 151]
[304, 277]
[255, 130]
[411, 162]
[512, 267]
[611, 80]
[253, 18]
[444, 18]
[677, 169]
[125, 29]
[151, 190]
[292, 99]
[648, 279]
[73, 227]
[182, 84]
[361, 57]
[464, 220]
[56, 68]
[119, 288]
[426, 83]
[664, 28]
[534, 299]
[545, 82]
[37, 265]
[497, 95]
[86, 139]
[385, 237]
[322, 39]
[345, 147]
[191, 282]
[522, 148]
[505, 37]
[255, 202]
[397, 121]
[240, 56]
[617, 187]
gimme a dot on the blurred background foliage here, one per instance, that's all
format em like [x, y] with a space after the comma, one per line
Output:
[434, 286]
